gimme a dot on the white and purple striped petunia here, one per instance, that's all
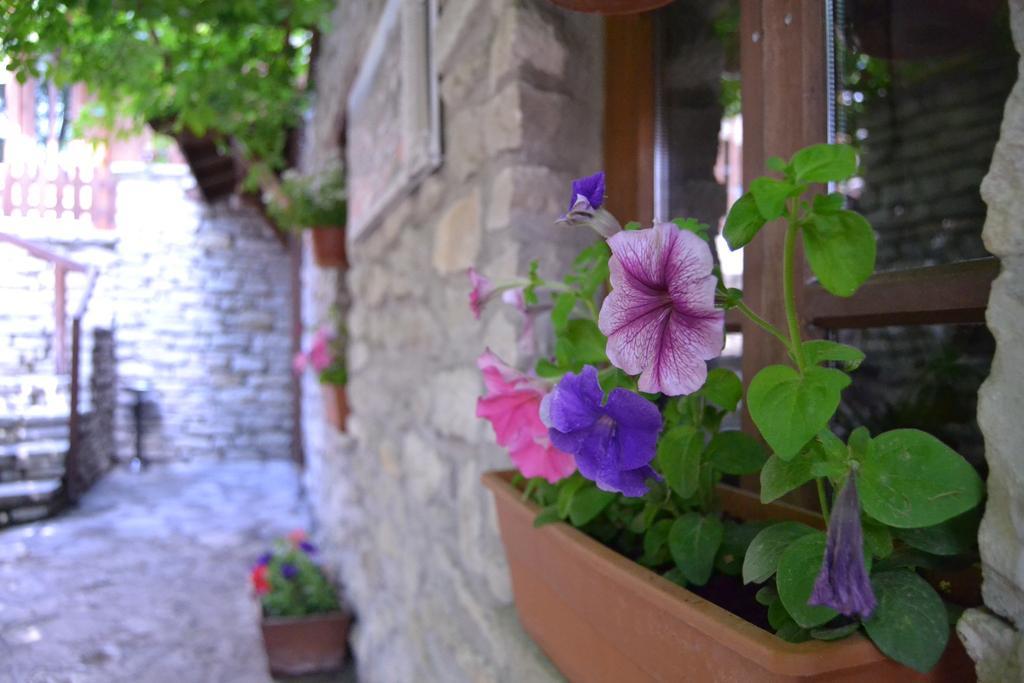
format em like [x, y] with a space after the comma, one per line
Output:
[660, 318]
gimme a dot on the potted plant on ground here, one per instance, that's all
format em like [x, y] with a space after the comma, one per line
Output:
[305, 631]
[668, 574]
[326, 356]
[316, 203]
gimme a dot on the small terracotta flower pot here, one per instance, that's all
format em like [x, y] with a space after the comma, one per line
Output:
[329, 247]
[603, 618]
[609, 7]
[335, 405]
[299, 646]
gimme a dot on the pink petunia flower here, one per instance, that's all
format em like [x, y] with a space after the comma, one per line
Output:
[512, 405]
[660, 318]
[299, 362]
[481, 292]
[319, 354]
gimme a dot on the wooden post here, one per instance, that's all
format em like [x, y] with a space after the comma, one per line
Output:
[60, 310]
[71, 479]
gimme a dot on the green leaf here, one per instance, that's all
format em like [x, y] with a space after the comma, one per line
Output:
[798, 569]
[789, 408]
[694, 540]
[735, 541]
[778, 616]
[824, 163]
[588, 504]
[692, 225]
[859, 443]
[723, 388]
[840, 249]
[735, 453]
[770, 195]
[818, 351]
[777, 164]
[547, 369]
[582, 344]
[764, 552]
[656, 539]
[564, 303]
[911, 479]
[548, 515]
[791, 632]
[955, 536]
[679, 452]
[632, 225]
[877, 538]
[675, 575]
[743, 222]
[909, 624]
[825, 204]
[779, 477]
[566, 491]
[834, 632]
[767, 595]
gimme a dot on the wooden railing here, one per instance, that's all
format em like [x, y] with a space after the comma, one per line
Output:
[61, 266]
[53, 191]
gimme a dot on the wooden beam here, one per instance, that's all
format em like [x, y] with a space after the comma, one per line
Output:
[948, 293]
[629, 117]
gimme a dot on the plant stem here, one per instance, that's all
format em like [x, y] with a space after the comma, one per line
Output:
[822, 500]
[788, 293]
[763, 324]
[530, 487]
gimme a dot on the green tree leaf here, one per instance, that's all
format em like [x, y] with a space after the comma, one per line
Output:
[765, 550]
[911, 479]
[770, 195]
[587, 504]
[818, 351]
[798, 569]
[779, 477]
[789, 408]
[735, 453]
[840, 249]
[909, 624]
[955, 536]
[824, 163]
[723, 388]
[694, 540]
[743, 222]
[678, 455]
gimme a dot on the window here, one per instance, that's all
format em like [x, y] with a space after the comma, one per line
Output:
[918, 87]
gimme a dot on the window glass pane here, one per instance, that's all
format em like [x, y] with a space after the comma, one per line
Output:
[920, 90]
[923, 377]
[698, 128]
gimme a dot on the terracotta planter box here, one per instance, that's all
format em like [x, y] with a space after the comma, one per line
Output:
[298, 646]
[335, 405]
[329, 247]
[602, 618]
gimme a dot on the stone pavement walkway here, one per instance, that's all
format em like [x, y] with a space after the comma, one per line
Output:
[146, 581]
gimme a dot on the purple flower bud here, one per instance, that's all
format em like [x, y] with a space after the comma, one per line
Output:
[843, 583]
[289, 571]
[590, 188]
[263, 560]
[307, 547]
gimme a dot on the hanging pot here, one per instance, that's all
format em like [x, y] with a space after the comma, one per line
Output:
[335, 405]
[611, 7]
[329, 247]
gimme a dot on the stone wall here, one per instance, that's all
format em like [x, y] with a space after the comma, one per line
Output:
[400, 508]
[994, 638]
[202, 305]
[97, 443]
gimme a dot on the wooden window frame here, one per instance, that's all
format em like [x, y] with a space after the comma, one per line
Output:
[783, 71]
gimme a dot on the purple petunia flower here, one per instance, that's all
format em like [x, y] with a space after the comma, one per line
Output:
[307, 547]
[843, 583]
[614, 441]
[660, 318]
[264, 560]
[590, 188]
[585, 206]
[289, 571]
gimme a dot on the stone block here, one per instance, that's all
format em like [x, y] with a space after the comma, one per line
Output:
[524, 38]
[457, 235]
